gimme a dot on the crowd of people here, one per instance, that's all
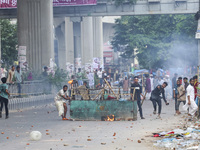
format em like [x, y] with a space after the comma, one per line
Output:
[152, 87]
[141, 87]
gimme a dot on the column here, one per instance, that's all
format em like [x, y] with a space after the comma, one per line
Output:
[69, 44]
[35, 31]
[77, 45]
[87, 41]
[60, 35]
[98, 39]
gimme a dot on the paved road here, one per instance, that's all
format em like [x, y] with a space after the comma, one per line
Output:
[74, 134]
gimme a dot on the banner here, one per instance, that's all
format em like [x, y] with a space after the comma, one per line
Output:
[8, 3]
[13, 3]
[88, 67]
[96, 63]
[22, 51]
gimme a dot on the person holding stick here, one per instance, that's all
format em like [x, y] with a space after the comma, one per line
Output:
[137, 94]
[60, 103]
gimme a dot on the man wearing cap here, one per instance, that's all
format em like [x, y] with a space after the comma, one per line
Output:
[137, 89]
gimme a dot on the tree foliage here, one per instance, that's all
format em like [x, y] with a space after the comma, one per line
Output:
[158, 38]
[8, 42]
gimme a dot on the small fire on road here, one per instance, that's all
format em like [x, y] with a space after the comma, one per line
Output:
[108, 118]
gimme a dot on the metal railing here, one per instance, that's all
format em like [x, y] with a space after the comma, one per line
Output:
[29, 88]
[22, 103]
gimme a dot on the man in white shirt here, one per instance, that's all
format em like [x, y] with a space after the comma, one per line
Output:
[100, 75]
[190, 101]
[90, 77]
[60, 103]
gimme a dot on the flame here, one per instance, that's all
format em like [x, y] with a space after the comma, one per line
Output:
[110, 118]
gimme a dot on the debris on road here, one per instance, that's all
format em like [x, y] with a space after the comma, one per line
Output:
[103, 143]
[186, 137]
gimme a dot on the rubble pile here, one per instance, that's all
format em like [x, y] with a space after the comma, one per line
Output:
[182, 138]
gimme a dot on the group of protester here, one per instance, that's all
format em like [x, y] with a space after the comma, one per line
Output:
[13, 76]
[186, 93]
[182, 92]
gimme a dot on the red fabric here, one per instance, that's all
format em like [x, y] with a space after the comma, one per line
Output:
[195, 89]
[110, 97]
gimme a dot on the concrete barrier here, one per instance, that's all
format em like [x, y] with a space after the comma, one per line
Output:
[95, 110]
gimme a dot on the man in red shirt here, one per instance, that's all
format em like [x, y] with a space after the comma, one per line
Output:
[196, 84]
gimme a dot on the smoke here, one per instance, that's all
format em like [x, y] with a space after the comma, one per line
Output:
[182, 54]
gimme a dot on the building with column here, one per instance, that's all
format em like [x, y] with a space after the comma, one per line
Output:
[35, 31]
[83, 44]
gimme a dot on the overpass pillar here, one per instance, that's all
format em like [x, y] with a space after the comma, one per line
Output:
[77, 41]
[98, 39]
[35, 31]
[87, 41]
[69, 44]
[60, 34]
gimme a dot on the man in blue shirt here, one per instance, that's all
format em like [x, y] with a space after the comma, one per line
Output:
[4, 96]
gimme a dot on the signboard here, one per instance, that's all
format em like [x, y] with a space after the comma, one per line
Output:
[96, 63]
[8, 3]
[69, 67]
[22, 57]
[22, 51]
[13, 3]
[88, 67]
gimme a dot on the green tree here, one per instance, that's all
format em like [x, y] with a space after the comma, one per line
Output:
[155, 36]
[8, 42]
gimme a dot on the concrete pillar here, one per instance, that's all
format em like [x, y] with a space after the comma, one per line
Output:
[35, 31]
[87, 40]
[69, 44]
[98, 38]
[77, 45]
[60, 35]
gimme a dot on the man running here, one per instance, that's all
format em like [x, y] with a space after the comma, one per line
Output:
[155, 98]
[60, 103]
